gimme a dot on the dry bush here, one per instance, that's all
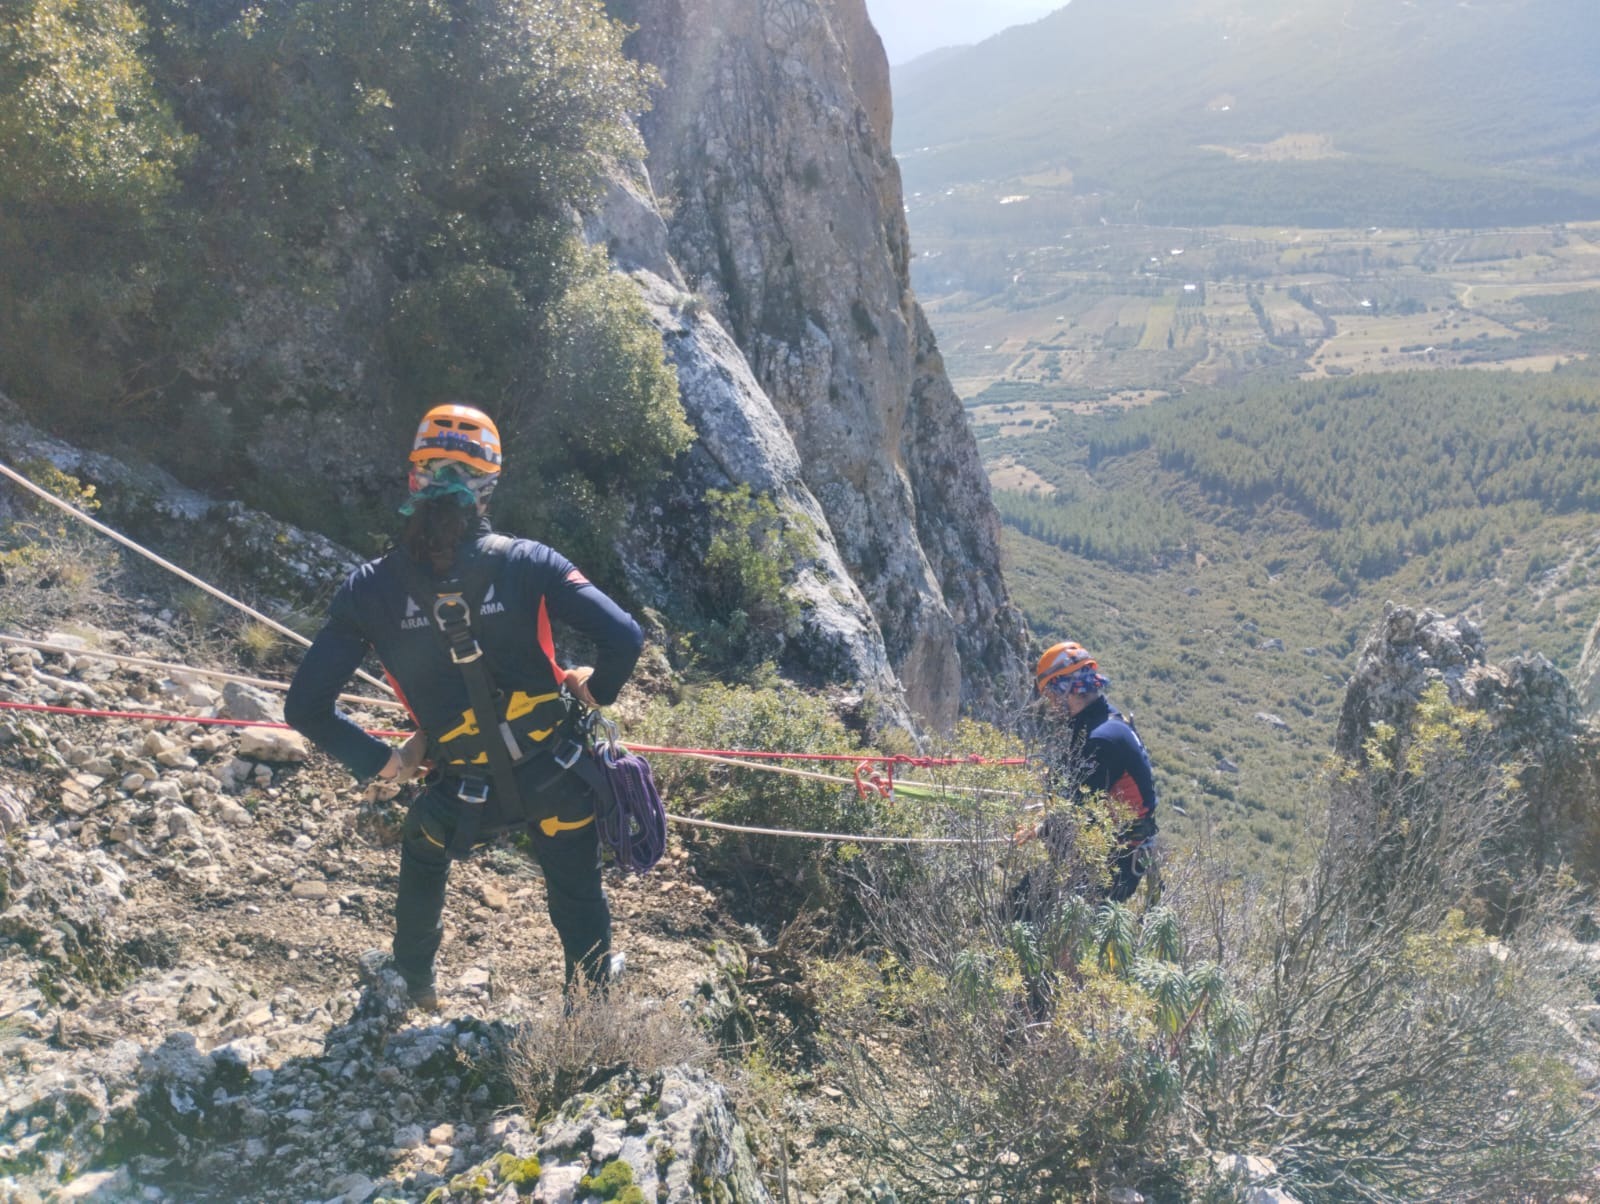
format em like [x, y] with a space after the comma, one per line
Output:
[1396, 1052]
[992, 1058]
[552, 1057]
[258, 643]
[48, 560]
[1354, 1020]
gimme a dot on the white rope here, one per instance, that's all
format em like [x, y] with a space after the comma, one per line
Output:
[302, 640]
[396, 704]
[741, 763]
[169, 667]
[834, 779]
[836, 837]
[47, 496]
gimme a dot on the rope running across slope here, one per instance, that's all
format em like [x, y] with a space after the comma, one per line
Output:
[739, 758]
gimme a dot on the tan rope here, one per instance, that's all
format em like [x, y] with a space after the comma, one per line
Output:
[47, 496]
[836, 837]
[169, 667]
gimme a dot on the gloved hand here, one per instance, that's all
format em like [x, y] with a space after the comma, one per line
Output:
[577, 683]
[405, 761]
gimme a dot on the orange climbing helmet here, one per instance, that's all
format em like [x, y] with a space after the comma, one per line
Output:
[461, 433]
[1059, 661]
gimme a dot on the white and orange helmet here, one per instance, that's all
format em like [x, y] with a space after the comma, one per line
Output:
[456, 442]
[1068, 668]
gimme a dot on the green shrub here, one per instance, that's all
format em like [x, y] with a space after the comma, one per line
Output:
[46, 550]
[609, 397]
[744, 606]
[89, 151]
[992, 1058]
[783, 719]
[328, 210]
[614, 1182]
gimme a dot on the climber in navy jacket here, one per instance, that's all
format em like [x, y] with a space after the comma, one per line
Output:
[517, 589]
[1101, 755]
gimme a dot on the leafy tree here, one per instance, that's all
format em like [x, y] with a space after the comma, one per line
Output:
[88, 154]
[325, 215]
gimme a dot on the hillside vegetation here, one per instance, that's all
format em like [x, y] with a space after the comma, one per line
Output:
[254, 242]
[1334, 113]
[193, 924]
[1224, 553]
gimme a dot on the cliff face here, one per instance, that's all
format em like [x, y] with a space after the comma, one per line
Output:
[770, 158]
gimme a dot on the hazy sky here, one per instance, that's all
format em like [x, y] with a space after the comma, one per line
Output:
[913, 27]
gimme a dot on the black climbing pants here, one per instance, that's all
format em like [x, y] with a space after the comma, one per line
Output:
[565, 844]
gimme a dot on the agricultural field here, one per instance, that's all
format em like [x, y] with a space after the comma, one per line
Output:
[1105, 316]
[1218, 453]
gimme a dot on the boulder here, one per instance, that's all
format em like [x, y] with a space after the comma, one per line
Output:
[273, 745]
[251, 704]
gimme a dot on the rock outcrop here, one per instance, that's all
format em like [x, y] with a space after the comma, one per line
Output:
[1535, 716]
[770, 152]
[740, 439]
[147, 503]
[1587, 679]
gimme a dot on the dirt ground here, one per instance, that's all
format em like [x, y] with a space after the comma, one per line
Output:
[282, 906]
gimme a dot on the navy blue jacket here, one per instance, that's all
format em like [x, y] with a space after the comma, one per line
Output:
[532, 587]
[1104, 755]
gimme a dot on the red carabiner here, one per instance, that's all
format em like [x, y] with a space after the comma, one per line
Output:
[870, 782]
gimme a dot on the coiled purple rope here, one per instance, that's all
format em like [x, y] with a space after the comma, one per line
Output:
[636, 828]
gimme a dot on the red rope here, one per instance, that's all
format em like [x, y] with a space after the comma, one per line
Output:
[856, 759]
[206, 720]
[853, 758]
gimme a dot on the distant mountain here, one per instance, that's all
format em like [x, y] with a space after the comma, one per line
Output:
[906, 74]
[1320, 112]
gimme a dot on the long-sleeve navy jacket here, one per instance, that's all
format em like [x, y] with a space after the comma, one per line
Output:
[1104, 755]
[532, 587]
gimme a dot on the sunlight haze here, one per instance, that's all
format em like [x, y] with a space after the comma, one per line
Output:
[913, 27]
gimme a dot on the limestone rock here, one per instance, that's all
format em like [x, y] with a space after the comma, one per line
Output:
[1536, 721]
[240, 701]
[770, 146]
[742, 439]
[13, 808]
[1586, 681]
[272, 744]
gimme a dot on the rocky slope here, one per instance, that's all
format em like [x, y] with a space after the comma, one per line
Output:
[770, 154]
[191, 1008]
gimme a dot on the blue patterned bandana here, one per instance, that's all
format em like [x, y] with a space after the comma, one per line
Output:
[1087, 680]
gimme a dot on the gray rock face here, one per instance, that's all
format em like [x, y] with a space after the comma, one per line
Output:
[147, 503]
[1405, 654]
[1586, 681]
[743, 440]
[1536, 720]
[770, 150]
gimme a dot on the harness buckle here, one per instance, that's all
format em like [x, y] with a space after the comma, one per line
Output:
[566, 753]
[465, 654]
[448, 602]
[473, 791]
